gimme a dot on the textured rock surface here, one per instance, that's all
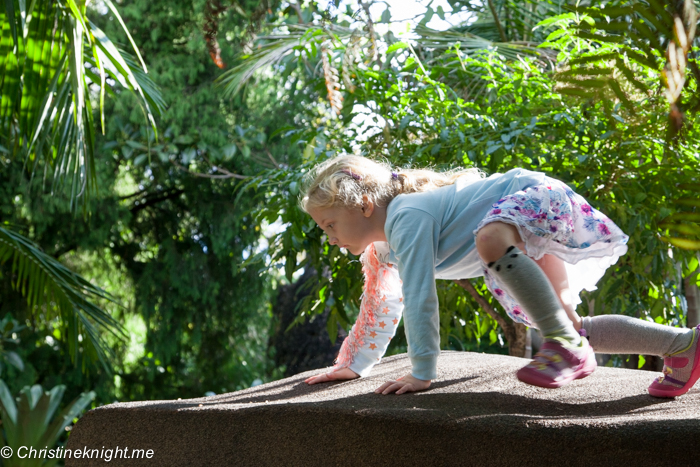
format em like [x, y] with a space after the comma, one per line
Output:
[475, 413]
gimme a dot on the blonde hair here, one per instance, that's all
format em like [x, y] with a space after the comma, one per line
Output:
[343, 180]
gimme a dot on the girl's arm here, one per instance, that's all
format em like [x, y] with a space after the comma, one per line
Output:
[414, 239]
[380, 312]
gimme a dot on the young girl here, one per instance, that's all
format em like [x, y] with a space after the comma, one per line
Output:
[536, 242]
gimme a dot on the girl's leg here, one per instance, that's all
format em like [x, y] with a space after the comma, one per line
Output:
[627, 335]
[564, 355]
[622, 334]
[495, 238]
[555, 271]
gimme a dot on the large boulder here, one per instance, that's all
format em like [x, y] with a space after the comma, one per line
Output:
[475, 413]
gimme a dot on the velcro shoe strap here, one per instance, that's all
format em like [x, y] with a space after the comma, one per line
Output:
[563, 351]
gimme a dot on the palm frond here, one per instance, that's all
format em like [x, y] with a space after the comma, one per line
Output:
[517, 17]
[46, 283]
[276, 47]
[268, 54]
[233, 80]
[47, 56]
[471, 43]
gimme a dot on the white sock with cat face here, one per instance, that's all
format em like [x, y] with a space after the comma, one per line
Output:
[529, 286]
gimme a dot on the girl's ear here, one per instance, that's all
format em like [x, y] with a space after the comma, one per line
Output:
[367, 206]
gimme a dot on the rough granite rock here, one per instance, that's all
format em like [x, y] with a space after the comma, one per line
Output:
[475, 413]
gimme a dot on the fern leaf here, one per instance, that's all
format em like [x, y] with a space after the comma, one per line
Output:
[629, 75]
[573, 91]
[596, 71]
[593, 58]
[615, 86]
[649, 61]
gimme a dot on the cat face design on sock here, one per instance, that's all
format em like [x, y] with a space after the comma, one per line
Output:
[510, 266]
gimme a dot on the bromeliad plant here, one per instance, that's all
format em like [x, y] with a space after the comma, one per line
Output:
[30, 420]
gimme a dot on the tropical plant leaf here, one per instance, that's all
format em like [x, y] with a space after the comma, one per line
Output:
[30, 420]
[275, 48]
[638, 31]
[65, 417]
[8, 406]
[471, 43]
[684, 243]
[45, 109]
[47, 284]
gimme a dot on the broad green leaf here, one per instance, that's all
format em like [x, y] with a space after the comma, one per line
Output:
[229, 151]
[683, 243]
[7, 404]
[494, 148]
[386, 16]
[14, 360]
[332, 327]
[396, 46]
[441, 12]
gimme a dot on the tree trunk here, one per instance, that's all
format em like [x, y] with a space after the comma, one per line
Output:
[518, 346]
[516, 333]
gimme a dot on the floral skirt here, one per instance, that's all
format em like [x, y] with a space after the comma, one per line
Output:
[554, 220]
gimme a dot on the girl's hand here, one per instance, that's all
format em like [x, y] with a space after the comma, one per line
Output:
[404, 384]
[344, 373]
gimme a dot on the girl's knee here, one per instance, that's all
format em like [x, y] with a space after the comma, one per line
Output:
[493, 240]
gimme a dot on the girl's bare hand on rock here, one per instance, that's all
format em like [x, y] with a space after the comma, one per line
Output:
[344, 373]
[404, 384]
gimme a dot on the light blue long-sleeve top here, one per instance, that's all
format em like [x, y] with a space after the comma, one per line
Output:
[430, 235]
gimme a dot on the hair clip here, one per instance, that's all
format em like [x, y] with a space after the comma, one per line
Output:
[351, 174]
[394, 175]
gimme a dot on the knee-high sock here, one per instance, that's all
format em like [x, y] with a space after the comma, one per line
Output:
[529, 286]
[626, 335]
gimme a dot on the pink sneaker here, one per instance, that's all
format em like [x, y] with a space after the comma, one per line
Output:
[558, 363]
[685, 368]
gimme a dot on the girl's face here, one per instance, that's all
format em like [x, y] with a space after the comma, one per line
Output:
[349, 228]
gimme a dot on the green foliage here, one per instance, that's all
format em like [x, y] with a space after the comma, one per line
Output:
[509, 20]
[9, 328]
[46, 108]
[50, 55]
[181, 234]
[157, 239]
[625, 42]
[31, 421]
[193, 231]
[48, 284]
[616, 53]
